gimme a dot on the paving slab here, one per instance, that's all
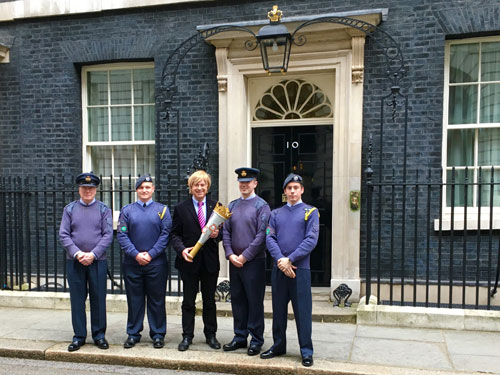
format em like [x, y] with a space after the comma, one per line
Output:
[397, 333]
[400, 353]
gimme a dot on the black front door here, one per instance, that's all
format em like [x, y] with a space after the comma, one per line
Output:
[305, 150]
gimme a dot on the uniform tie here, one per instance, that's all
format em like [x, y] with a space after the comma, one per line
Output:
[201, 217]
[144, 205]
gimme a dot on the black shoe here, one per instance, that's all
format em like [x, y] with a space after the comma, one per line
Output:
[213, 342]
[75, 345]
[270, 354]
[307, 361]
[130, 342]
[233, 345]
[158, 343]
[184, 344]
[253, 350]
[102, 343]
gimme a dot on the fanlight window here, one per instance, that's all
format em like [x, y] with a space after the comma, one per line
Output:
[291, 100]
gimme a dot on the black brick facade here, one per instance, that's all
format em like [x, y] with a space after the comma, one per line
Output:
[40, 103]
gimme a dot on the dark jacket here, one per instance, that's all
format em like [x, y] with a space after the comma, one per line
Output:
[185, 233]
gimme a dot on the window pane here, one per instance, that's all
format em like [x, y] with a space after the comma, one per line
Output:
[144, 123]
[121, 124]
[124, 161]
[126, 194]
[490, 103]
[460, 148]
[489, 147]
[490, 61]
[98, 124]
[456, 189]
[101, 160]
[97, 88]
[464, 62]
[145, 160]
[120, 86]
[486, 187]
[462, 107]
[144, 86]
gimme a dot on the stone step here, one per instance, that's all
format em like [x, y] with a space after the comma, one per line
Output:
[322, 311]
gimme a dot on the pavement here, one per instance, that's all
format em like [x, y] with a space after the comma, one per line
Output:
[340, 348]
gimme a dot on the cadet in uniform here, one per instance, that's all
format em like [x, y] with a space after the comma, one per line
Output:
[86, 231]
[143, 233]
[244, 235]
[292, 234]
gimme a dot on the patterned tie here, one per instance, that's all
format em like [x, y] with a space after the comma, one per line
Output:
[201, 217]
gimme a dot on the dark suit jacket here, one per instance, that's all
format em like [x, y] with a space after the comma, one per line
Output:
[185, 233]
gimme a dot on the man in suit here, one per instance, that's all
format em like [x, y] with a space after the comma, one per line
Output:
[143, 233]
[86, 231]
[244, 237]
[190, 217]
[292, 234]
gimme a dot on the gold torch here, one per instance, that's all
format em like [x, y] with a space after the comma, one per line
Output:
[219, 216]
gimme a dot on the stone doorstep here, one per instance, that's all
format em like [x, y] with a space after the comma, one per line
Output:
[427, 317]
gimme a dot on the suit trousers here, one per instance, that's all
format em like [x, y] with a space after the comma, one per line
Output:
[298, 290]
[89, 280]
[248, 287]
[146, 285]
[191, 285]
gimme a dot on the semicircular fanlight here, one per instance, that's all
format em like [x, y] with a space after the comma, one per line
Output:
[293, 99]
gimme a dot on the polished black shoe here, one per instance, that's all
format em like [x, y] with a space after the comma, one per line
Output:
[130, 343]
[75, 345]
[184, 344]
[307, 361]
[158, 343]
[102, 343]
[213, 342]
[233, 345]
[270, 354]
[253, 350]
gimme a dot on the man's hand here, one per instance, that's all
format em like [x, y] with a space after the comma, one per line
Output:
[235, 260]
[242, 259]
[143, 258]
[215, 233]
[286, 266]
[86, 259]
[186, 256]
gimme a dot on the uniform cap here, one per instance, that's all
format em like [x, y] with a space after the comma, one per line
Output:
[87, 179]
[246, 174]
[145, 178]
[292, 177]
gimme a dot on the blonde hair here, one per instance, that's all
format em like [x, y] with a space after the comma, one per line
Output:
[197, 177]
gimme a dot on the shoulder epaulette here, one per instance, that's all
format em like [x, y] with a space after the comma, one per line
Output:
[309, 211]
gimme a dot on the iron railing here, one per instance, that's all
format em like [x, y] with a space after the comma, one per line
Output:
[31, 256]
[423, 246]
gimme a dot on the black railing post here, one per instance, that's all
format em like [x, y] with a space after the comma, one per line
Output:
[369, 198]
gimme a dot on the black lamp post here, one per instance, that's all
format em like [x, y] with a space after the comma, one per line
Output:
[275, 43]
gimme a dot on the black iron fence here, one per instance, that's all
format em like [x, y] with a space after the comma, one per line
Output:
[31, 256]
[429, 243]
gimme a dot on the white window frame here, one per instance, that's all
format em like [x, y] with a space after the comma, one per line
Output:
[472, 211]
[86, 144]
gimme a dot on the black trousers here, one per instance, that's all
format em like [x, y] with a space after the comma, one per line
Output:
[191, 286]
[297, 290]
[248, 287]
[146, 285]
[89, 280]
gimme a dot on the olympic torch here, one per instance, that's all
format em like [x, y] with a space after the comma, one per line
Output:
[219, 216]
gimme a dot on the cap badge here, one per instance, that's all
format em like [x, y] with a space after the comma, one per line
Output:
[88, 179]
[295, 178]
[148, 179]
[243, 174]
